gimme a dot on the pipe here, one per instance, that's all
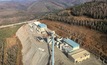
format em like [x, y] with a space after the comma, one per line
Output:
[53, 49]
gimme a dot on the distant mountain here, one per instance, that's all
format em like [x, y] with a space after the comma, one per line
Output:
[51, 5]
[29, 9]
[36, 6]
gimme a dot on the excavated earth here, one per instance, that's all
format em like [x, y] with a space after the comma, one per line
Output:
[32, 55]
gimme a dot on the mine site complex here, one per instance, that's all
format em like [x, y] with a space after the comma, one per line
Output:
[53, 32]
[42, 46]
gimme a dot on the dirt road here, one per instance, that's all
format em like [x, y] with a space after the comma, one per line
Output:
[10, 25]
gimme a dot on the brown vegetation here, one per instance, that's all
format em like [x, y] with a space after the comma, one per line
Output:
[91, 9]
[10, 47]
[72, 17]
[14, 16]
[14, 11]
[100, 25]
[12, 52]
[94, 41]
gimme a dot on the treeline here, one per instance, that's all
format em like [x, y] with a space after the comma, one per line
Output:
[95, 9]
[92, 9]
[100, 25]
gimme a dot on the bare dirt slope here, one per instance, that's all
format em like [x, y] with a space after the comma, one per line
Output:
[32, 55]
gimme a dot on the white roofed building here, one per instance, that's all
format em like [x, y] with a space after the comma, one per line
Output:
[79, 55]
[42, 27]
[37, 23]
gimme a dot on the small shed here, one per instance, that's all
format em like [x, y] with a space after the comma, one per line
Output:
[79, 55]
[72, 44]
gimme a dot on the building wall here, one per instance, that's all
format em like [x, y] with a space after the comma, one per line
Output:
[81, 59]
[75, 48]
[42, 29]
[61, 47]
[71, 58]
[79, 55]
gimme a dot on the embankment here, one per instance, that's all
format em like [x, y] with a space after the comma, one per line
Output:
[33, 56]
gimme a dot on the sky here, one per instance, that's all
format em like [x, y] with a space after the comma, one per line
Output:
[17, 0]
[11, 0]
[5, 0]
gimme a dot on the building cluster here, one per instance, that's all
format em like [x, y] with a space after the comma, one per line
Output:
[66, 45]
[37, 26]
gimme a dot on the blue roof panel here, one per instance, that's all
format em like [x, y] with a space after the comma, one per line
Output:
[72, 43]
[42, 25]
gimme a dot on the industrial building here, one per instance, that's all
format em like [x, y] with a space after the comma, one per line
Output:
[71, 45]
[42, 27]
[79, 55]
[33, 25]
[75, 53]
[39, 27]
[66, 45]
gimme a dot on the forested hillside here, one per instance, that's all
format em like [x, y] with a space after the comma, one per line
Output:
[91, 9]
[82, 15]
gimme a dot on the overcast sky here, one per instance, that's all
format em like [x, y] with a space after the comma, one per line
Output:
[4, 0]
[18, 0]
[13, 0]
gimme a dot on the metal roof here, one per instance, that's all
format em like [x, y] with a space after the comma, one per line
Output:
[71, 43]
[42, 25]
